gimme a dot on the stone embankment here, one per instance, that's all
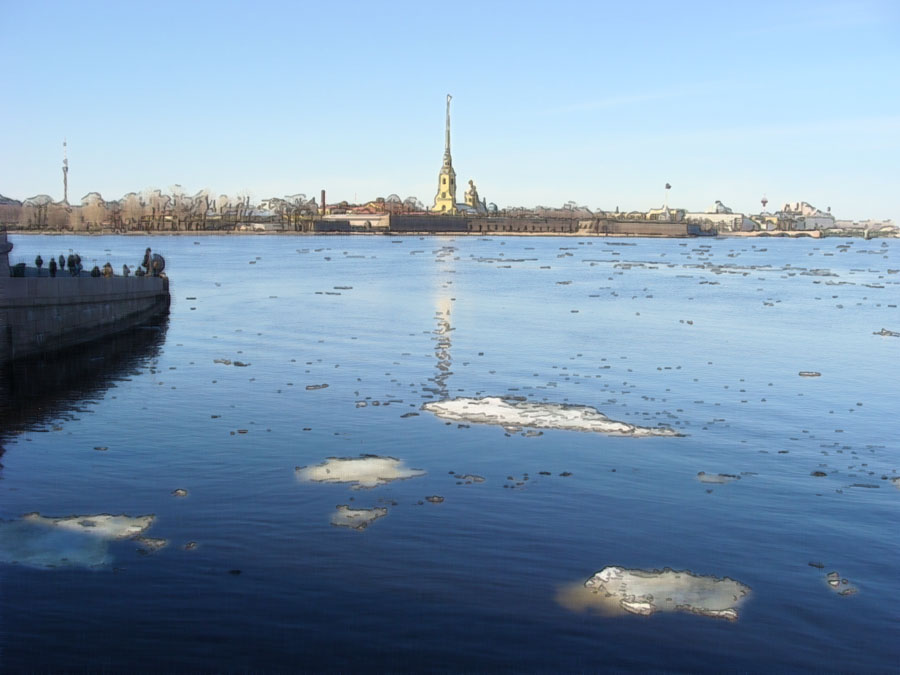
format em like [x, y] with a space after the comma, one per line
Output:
[43, 314]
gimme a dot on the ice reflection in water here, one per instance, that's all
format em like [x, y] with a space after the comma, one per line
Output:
[74, 541]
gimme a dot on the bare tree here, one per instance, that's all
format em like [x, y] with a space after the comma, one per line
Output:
[132, 210]
[94, 210]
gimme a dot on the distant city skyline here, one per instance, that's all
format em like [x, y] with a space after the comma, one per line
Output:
[600, 105]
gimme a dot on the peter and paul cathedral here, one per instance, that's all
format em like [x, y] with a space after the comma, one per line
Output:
[445, 199]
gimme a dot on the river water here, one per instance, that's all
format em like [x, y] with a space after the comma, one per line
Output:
[705, 337]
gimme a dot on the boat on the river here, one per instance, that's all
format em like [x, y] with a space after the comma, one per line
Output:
[41, 314]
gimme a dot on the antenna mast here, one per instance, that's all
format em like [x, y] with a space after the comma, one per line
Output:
[65, 169]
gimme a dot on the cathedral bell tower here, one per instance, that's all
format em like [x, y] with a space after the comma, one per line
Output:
[445, 199]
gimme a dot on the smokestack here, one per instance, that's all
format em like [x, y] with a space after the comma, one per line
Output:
[323, 202]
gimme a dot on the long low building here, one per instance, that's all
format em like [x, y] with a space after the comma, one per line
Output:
[439, 224]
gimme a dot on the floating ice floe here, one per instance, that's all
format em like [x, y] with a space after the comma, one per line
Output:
[469, 478]
[150, 545]
[495, 410]
[366, 471]
[357, 519]
[840, 585]
[615, 589]
[104, 525]
[717, 478]
[74, 541]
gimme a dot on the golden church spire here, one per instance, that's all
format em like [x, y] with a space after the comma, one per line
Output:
[445, 199]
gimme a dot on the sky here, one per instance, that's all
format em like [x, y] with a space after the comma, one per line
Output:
[599, 103]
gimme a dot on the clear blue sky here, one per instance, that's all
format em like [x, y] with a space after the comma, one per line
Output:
[600, 103]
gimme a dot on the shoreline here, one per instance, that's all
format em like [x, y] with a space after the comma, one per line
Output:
[770, 234]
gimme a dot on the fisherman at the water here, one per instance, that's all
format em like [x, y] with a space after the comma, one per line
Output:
[156, 264]
[107, 270]
[39, 263]
[95, 272]
[148, 258]
[78, 265]
[62, 262]
[125, 271]
[52, 267]
[71, 261]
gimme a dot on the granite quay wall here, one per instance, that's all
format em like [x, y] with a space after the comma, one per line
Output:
[42, 314]
[330, 226]
[496, 225]
[435, 224]
[642, 228]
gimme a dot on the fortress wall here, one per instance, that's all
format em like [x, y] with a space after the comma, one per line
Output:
[499, 225]
[330, 226]
[640, 228]
[436, 224]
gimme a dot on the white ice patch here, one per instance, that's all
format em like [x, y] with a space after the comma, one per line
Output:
[32, 545]
[358, 519]
[495, 410]
[73, 541]
[646, 592]
[104, 525]
[366, 471]
[717, 478]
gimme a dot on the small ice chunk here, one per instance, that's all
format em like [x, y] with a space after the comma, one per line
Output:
[104, 525]
[495, 410]
[646, 592]
[357, 519]
[840, 585]
[366, 471]
[470, 478]
[149, 544]
[717, 478]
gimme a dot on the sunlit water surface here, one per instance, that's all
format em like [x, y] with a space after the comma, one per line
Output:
[704, 336]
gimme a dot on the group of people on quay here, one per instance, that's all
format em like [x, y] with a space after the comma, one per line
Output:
[152, 264]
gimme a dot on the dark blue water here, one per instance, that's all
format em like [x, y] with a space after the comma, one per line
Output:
[707, 337]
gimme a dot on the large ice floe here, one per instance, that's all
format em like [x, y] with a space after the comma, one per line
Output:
[74, 541]
[104, 525]
[495, 410]
[616, 589]
[366, 471]
[357, 519]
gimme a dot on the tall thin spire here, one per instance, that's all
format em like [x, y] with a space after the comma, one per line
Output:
[445, 198]
[65, 169]
[447, 141]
